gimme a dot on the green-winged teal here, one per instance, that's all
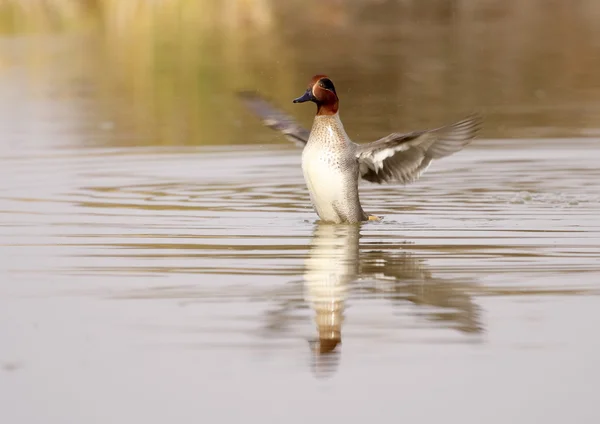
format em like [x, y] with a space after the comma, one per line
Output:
[332, 164]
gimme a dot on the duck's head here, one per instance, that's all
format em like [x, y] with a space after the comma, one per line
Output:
[321, 91]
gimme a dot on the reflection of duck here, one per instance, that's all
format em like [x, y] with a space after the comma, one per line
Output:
[331, 266]
[334, 262]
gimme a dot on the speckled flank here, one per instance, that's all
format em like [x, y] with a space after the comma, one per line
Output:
[331, 171]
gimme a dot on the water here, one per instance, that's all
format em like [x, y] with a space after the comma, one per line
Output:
[158, 279]
[145, 279]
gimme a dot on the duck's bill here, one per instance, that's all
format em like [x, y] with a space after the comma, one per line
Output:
[306, 97]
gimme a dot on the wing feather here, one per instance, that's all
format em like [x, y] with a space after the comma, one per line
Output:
[405, 157]
[275, 118]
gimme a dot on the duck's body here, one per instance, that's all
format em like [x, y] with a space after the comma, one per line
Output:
[332, 164]
[329, 157]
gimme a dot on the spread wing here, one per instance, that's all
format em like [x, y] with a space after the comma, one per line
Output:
[275, 119]
[405, 157]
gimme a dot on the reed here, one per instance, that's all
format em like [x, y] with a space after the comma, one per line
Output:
[168, 70]
[181, 62]
[19, 16]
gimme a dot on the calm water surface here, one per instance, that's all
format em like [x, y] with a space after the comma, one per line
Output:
[170, 282]
[146, 283]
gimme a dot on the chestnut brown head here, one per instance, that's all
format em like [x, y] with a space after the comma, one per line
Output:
[322, 92]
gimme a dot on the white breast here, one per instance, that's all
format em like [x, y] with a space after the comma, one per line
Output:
[324, 180]
[325, 167]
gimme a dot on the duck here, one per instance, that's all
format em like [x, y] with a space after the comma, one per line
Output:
[332, 164]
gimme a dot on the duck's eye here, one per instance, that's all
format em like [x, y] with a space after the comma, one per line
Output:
[327, 84]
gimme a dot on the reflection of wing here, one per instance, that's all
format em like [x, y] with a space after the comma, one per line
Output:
[404, 278]
[405, 157]
[275, 119]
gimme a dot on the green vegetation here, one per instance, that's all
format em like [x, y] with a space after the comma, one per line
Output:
[167, 70]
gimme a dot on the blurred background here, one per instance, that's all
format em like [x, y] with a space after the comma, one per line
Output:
[166, 72]
[160, 259]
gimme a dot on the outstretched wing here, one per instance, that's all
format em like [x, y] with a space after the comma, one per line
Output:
[405, 157]
[275, 118]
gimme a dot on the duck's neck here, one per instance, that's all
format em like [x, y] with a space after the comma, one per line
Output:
[329, 128]
[333, 120]
[328, 105]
